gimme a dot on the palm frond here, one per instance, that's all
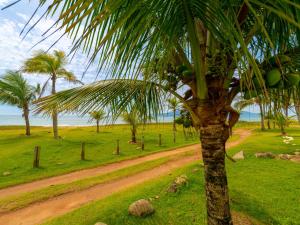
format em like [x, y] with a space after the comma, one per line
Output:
[116, 95]
[15, 90]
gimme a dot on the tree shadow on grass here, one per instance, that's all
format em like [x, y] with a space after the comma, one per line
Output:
[244, 203]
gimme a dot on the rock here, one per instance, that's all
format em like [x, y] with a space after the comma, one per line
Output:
[284, 156]
[239, 155]
[138, 148]
[295, 158]
[181, 180]
[264, 155]
[6, 173]
[141, 208]
[195, 170]
[178, 182]
[172, 188]
[156, 197]
[297, 153]
[100, 223]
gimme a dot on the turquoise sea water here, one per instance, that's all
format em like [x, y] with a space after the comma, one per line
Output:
[74, 120]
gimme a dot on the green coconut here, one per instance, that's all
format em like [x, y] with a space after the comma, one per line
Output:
[187, 73]
[284, 59]
[273, 77]
[181, 68]
[293, 79]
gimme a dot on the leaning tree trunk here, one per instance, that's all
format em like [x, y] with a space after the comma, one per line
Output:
[26, 117]
[133, 135]
[54, 112]
[97, 126]
[174, 120]
[262, 120]
[213, 138]
[297, 109]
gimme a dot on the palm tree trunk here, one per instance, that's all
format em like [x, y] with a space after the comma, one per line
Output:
[97, 126]
[282, 130]
[26, 117]
[297, 109]
[213, 138]
[54, 113]
[174, 119]
[133, 135]
[262, 120]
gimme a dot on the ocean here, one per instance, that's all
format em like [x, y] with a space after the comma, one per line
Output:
[74, 120]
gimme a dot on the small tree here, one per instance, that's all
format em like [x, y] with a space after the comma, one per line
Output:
[173, 104]
[98, 116]
[15, 90]
[133, 120]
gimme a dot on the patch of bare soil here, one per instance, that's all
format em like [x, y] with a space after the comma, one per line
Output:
[242, 219]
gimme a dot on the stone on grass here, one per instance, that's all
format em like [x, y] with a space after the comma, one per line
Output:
[6, 173]
[100, 223]
[264, 155]
[285, 156]
[295, 158]
[172, 188]
[297, 153]
[177, 183]
[181, 180]
[195, 170]
[141, 208]
[239, 155]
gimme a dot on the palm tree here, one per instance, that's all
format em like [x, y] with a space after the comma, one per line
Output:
[241, 104]
[98, 116]
[51, 65]
[173, 104]
[15, 90]
[209, 49]
[132, 118]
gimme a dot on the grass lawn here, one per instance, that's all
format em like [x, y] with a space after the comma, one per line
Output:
[268, 190]
[62, 156]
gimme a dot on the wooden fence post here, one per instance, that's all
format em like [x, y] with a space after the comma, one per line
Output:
[83, 151]
[159, 140]
[143, 143]
[118, 147]
[36, 159]
[174, 136]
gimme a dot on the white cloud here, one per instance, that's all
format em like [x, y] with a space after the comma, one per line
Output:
[4, 2]
[14, 50]
[23, 16]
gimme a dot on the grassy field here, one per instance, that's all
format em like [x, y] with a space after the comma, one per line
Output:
[62, 156]
[267, 190]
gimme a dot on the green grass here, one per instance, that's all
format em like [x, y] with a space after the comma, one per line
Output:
[267, 190]
[24, 199]
[63, 156]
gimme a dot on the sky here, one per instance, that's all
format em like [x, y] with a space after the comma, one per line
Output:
[14, 50]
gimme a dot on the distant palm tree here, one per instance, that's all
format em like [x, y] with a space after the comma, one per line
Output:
[98, 116]
[243, 103]
[133, 120]
[173, 104]
[51, 65]
[15, 90]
